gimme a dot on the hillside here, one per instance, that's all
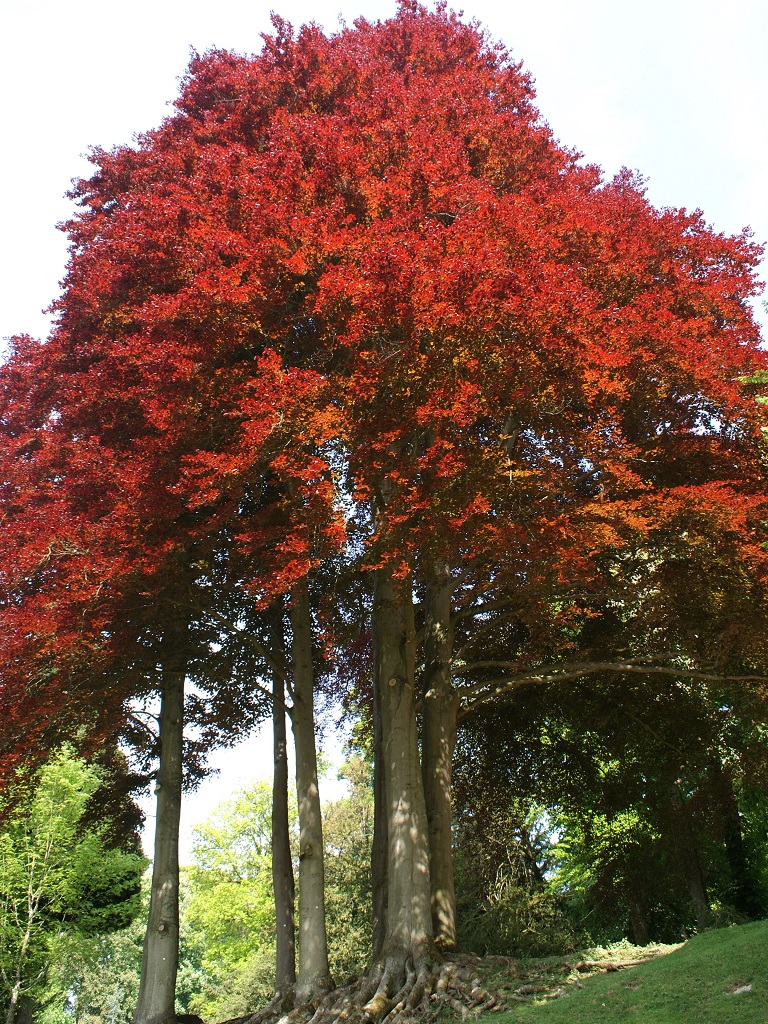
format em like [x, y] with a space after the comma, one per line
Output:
[719, 977]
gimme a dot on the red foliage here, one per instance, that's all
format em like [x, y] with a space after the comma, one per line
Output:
[363, 250]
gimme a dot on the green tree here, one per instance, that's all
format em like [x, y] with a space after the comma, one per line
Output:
[227, 918]
[61, 878]
[348, 834]
[653, 791]
[229, 908]
[95, 980]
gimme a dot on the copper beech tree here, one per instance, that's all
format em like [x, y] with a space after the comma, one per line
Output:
[351, 301]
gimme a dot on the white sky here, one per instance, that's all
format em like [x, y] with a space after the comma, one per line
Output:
[677, 89]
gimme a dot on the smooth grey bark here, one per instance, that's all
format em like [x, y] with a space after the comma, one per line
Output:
[160, 958]
[409, 935]
[689, 858]
[314, 974]
[282, 865]
[438, 742]
[379, 844]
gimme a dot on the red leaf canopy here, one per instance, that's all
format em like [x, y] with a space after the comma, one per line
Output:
[359, 271]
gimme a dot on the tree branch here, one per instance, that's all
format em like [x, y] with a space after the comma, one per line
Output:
[576, 670]
[275, 662]
[483, 630]
[479, 609]
[137, 722]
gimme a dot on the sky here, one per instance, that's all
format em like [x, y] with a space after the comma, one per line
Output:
[677, 89]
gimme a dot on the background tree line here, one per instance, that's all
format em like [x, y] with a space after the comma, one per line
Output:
[592, 866]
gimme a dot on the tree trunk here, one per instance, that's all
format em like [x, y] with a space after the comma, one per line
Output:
[25, 1014]
[16, 998]
[638, 915]
[314, 975]
[744, 892]
[440, 708]
[409, 934]
[689, 858]
[282, 865]
[159, 964]
[379, 844]
[21, 1011]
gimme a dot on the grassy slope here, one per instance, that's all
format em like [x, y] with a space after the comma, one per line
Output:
[692, 985]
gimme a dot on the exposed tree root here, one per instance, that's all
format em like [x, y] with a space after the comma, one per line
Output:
[427, 991]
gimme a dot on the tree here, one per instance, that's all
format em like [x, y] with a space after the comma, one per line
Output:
[352, 300]
[58, 880]
[498, 369]
[348, 832]
[651, 837]
[283, 881]
[229, 903]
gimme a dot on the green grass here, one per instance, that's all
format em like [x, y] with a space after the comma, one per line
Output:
[694, 984]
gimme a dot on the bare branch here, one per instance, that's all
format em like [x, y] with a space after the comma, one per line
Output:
[486, 690]
[139, 724]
